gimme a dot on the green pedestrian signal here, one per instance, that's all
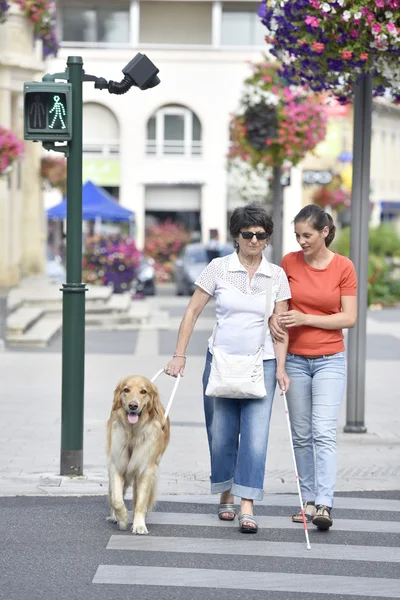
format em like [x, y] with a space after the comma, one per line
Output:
[47, 111]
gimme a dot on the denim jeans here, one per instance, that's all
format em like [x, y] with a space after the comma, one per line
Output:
[316, 391]
[237, 433]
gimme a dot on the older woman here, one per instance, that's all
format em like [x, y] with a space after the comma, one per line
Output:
[238, 430]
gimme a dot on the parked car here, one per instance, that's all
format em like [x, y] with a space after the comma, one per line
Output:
[144, 283]
[190, 264]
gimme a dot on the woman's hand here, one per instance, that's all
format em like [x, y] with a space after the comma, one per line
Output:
[283, 380]
[176, 366]
[277, 332]
[292, 318]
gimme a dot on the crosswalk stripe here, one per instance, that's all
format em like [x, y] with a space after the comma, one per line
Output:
[346, 503]
[253, 548]
[209, 520]
[245, 580]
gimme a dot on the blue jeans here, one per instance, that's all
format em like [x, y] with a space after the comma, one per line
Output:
[236, 465]
[316, 391]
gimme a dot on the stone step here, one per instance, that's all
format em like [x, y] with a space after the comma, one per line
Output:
[50, 296]
[117, 303]
[39, 335]
[138, 313]
[22, 318]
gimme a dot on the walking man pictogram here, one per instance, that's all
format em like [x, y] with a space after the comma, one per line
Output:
[59, 112]
[37, 110]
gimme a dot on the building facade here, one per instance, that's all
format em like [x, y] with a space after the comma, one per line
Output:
[162, 152]
[22, 219]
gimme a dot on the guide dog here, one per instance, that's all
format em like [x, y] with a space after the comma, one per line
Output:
[137, 437]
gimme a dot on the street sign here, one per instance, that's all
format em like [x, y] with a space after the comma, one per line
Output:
[47, 111]
[311, 177]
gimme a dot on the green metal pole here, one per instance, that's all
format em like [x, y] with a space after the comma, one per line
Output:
[73, 341]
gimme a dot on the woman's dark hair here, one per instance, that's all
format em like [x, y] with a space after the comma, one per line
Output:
[318, 219]
[250, 215]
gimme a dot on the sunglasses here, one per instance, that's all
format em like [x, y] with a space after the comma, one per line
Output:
[248, 235]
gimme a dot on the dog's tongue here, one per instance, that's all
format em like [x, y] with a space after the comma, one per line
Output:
[133, 418]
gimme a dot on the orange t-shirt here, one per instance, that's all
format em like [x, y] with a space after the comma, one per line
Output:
[318, 292]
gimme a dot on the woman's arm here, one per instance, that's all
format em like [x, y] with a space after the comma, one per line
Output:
[280, 348]
[197, 302]
[346, 319]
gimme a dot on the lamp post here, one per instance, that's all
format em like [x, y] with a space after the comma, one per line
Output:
[53, 115]
[357, 340]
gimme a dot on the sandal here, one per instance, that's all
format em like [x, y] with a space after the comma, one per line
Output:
[226, 508]
[309, 512]
[247, 528]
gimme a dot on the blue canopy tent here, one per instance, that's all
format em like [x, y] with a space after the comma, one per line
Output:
[97, 204]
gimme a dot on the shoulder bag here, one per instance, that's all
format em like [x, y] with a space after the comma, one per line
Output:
[239, 376]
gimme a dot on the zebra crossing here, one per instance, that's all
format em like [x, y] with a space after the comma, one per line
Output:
[188, 548]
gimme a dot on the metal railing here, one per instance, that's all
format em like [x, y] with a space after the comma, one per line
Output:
[174, 147]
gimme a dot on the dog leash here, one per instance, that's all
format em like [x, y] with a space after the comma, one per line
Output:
[171, 399]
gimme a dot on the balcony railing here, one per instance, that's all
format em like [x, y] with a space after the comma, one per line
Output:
[174, 148]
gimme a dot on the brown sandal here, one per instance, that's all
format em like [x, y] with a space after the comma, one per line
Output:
[309, 512]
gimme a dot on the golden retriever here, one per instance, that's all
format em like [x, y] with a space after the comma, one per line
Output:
[137, 437]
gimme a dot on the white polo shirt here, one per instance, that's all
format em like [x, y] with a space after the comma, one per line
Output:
[240, 304]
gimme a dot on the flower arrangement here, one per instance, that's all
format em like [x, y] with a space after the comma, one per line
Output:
[332, 44]
[338, 198]
[163, 243]
[4, 6]
[276, 123]
[53, 172]
[41, 14]
[11, 149]
[110, 260]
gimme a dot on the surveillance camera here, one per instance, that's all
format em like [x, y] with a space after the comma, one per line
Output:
[142, 72]
[139, 72]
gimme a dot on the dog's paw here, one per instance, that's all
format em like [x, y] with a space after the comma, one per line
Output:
[123, 525]
[139, 529]
[112, 519]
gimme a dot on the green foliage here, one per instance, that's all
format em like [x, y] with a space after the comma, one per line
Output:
[383, 278]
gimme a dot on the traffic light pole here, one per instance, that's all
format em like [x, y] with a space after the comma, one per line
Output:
[73, 338]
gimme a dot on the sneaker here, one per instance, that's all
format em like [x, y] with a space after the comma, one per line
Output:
[323, 519]
[309, 511]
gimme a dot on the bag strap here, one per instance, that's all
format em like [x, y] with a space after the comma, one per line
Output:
[268, 296]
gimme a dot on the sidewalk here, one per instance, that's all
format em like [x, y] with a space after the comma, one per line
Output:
[30, 407]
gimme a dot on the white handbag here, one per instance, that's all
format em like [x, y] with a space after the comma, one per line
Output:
[236, 375]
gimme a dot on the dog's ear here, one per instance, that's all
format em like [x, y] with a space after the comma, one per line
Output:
[117, 395]
[155, 402]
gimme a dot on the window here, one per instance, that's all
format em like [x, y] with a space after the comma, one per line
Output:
[174, 130]
[101, 24]
[175, 23]
[100, 140]
[241, 26]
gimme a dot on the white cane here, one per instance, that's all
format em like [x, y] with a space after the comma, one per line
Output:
[171, 399]
[303, 516]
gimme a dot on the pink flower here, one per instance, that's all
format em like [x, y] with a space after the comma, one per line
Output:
[380, 3]
[318, 47]
[391, 26]
[354, 33]
[377, 27]
[347, 54]
[364, 56]
[313, 21]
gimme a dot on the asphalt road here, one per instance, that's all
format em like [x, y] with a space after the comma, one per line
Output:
[56, 549]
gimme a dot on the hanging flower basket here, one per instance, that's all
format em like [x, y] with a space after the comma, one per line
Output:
[276, 123]
[54, 173]
[41, 14]
[11, 149]
[331, 45]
